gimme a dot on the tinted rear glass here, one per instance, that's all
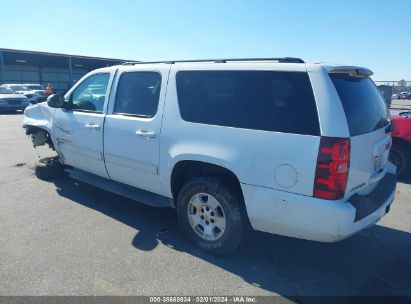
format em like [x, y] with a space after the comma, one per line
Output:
[138, 93]
[259, 100]
[364, 107]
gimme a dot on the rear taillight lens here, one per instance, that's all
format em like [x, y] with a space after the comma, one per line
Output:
[332, 168]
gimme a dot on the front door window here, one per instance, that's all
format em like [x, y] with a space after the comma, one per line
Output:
[91, 93]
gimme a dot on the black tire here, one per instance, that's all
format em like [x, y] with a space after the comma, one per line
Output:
[49, 168]
[231, 202]
[400, 156]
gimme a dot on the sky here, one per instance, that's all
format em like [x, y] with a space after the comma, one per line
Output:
[372, 33]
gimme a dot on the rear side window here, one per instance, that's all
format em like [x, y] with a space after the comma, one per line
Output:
[138, 94]
[364, 107]
[259, 100]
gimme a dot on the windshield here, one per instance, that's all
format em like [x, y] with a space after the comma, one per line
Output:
[4, 90]
[364, 107]
[36, 87]
[19, 88]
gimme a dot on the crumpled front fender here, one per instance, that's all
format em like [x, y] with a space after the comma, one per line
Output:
[39, 115]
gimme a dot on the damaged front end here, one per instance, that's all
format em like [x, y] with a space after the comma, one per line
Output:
[37, 122]
[39, 137]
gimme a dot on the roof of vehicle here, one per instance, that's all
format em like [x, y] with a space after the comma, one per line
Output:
[222, 60]
[281, 60]
[282, 63]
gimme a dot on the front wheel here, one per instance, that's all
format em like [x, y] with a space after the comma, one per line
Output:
[49, 168]
[210, 213]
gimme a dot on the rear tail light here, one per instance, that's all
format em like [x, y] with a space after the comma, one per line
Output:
[332, 168]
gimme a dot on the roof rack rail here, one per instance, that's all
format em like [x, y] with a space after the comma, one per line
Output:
[130, 62]
[281, 59]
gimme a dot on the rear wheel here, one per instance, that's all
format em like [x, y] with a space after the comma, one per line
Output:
[400, 156]
[210, 213]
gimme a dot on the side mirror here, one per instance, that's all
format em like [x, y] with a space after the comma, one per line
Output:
[56, 101]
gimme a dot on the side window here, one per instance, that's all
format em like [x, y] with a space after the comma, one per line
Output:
[138, 94]
[91, 93]
[258, 100]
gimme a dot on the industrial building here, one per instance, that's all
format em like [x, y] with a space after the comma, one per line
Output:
[59, 70]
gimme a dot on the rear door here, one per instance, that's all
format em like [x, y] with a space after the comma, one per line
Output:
[367, 118]
[132, 127]
[258, 120]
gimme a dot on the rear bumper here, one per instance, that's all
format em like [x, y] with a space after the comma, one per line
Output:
[314, 219]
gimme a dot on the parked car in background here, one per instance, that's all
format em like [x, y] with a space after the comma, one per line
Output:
[39, 90]
[400, 154]
[404, 95]
[34, 94]
[394, 96]
[10, 100]
[17, 88]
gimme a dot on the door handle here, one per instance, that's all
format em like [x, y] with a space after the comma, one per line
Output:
[92, 126]
[146, 134]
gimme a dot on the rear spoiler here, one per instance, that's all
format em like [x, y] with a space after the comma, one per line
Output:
[352, 71]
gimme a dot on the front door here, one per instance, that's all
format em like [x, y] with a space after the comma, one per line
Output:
[132, 127]
[79, 132]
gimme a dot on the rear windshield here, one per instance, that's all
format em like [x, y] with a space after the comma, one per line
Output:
[364, 107]
[259, 100]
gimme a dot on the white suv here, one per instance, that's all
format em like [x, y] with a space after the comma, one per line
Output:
[289, 147]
